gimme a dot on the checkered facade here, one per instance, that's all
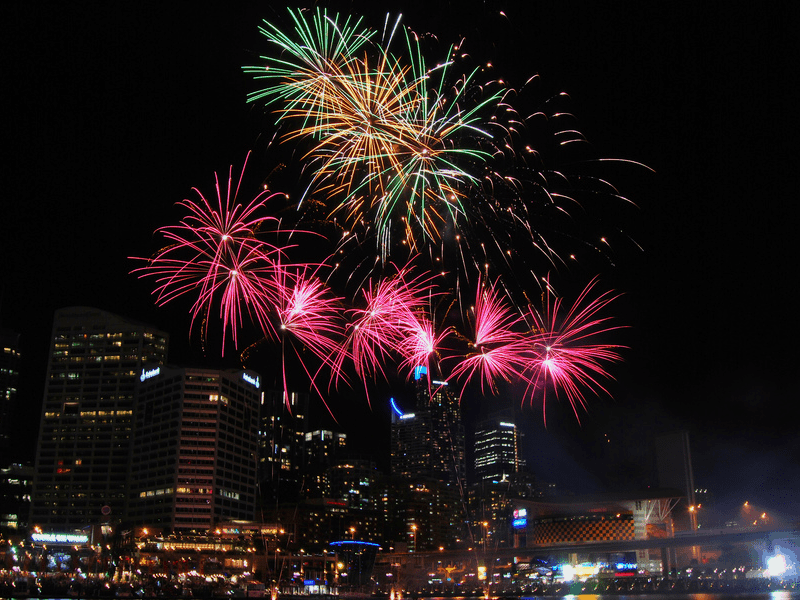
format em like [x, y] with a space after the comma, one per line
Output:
[582, 529]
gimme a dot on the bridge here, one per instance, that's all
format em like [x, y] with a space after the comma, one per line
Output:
[415, 566]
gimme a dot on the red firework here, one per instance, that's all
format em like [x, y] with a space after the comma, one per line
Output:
[311, 314]
[498, 349]
[214, 252]
[562, 351]
[388, 322]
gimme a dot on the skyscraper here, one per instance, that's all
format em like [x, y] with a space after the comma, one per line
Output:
[84, 437]
[9, 380]
[281, 439]
[496, 450]
[195, 448]
[429, 442]
[428, 459]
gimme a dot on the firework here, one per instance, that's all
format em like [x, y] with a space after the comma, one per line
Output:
[214, 253]
[498, 350]
[388, 323]
[564, 352]
[414, 158]
[395, 139]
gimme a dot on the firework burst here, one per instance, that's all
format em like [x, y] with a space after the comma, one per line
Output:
[215, 254]
[564, 351]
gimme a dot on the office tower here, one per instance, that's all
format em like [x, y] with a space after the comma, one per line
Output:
[9, 380]
[16, 482]
[429, 460]
[429, 442]
[195, 443]
[95, 361]
[496, 450]
[281, 439]
[321, 448]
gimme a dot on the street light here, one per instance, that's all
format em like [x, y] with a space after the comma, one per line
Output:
[414, 537]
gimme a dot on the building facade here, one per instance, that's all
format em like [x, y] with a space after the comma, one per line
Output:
[194, 457]
[82, 459]
[281, 445]
[9, 382]
[496, 450]
[429, 442]
[428, 468]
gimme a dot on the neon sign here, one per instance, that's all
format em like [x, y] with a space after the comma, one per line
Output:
[60, 538]
[147, 374]
[395, 408]
[254, 381]
[420, 371]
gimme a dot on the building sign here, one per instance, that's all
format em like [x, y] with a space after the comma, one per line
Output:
[149, 373]
[60, 538]
[251, 380]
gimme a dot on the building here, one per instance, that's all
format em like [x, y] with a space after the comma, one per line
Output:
[428, 467]
[281, 438]
[321, 448]
[496, 450]
[95, 362]
[9, 381]
[429, 442]
[194, 459]
[16, 483]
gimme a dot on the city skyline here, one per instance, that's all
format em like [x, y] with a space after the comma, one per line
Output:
[108, 142]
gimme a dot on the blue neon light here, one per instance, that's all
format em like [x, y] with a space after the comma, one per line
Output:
[420, 371]
[519, 523]
[350, 543]
[395, 408]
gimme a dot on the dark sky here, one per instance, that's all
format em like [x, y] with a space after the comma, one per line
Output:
[114, 111]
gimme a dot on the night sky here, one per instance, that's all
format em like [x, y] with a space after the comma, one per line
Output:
[115, 111]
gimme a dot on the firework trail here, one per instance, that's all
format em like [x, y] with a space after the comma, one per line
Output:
[408, 160]
[214, 252]
[498, 349]
[563, 352]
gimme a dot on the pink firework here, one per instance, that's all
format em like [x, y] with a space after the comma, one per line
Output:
[563, 353]
[498, 350]
[311, 314]
[419, 343]
[214, 252]
[383, 327]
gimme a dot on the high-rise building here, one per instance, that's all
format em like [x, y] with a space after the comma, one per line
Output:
[428, 463]
[16, 481]
[321, 449]
[82, 459]
[496, 450]
[9, 380]
[281, 439]
[195, 448]
[429, 442]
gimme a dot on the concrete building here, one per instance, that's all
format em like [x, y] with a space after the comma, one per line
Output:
[194, 457]
[9, 382]
[95, 362]
[496, 450]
